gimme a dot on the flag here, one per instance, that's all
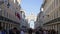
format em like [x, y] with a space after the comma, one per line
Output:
[18, 15]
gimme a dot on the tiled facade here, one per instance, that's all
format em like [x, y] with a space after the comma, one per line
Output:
[8, 19]
[52, 14]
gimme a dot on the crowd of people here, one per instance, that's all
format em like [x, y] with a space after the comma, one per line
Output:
[11, 31]
[44, 31]
[29, 31]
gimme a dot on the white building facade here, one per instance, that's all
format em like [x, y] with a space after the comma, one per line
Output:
[39, 20]
[51, 14]
[24, 22]
[8, 11]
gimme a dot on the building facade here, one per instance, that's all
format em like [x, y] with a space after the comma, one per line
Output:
[51, 9]
[39, 20]
[24, 22]
[31, 20]
[9, 10]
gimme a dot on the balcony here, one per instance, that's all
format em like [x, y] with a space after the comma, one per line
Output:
[1, 2]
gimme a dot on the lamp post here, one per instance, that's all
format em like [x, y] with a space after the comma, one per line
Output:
[8, 4]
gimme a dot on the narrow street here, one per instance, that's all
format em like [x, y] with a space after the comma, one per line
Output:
[38, 16]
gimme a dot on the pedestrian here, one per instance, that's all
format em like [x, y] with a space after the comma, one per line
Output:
[37, 32]
[30, 31]
[2, 31]
[41, 31]
[18, 31]
[44, 31]
[49, 31]
[10, 31]
[53, 31]
[14, 31]
[22, 32]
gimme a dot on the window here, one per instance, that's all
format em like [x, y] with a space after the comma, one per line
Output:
[14, 1]
[59, 2]
[5, 1]
[57, 12]
[56, 2]
[7, 14]
[53, 5]
[4, 25]
[54, 14]
[0, 11]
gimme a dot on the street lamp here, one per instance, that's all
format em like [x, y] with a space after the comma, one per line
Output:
[8, 4]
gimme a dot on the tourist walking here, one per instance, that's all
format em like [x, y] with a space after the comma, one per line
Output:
[14, 31]
[53, 31]
[2, 31]
[37, 32]
[30, 31]
[22, 32]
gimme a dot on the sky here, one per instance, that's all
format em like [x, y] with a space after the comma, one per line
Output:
[32, 24]
[31, 6]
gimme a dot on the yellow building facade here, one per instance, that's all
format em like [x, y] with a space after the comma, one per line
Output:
[51, 14]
